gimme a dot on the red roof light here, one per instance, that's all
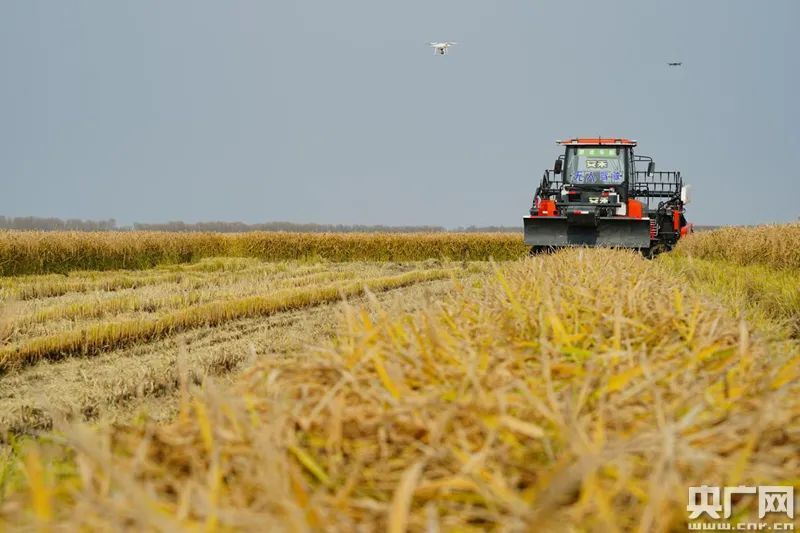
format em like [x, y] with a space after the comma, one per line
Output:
[594, 141]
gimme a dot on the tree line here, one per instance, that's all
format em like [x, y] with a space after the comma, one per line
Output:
[57, 224]
[241, 227]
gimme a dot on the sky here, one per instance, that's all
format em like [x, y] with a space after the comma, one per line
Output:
[339, 112]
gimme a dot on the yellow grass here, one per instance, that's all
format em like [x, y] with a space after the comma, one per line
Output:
[37, 287]
[764, 293]
[584, 391]
[776, 246]
[130, 303]
[45, 252]
[109, 335]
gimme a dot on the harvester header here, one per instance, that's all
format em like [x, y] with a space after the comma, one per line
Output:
[596, 196]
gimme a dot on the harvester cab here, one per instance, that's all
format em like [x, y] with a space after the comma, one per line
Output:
[595, 195]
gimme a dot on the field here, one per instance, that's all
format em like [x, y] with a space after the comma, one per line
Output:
[45, 252]
[392, 382]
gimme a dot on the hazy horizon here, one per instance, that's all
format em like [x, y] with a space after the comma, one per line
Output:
[339, 113]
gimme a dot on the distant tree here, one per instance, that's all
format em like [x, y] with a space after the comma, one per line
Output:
[240, 227]
[56, 224]
[75, 224]
[489, 229]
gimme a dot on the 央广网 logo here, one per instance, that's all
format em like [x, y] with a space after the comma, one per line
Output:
[714, 503]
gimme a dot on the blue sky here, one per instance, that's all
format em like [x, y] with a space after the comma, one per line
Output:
[338, 112]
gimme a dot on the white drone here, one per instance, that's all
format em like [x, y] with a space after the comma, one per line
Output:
[441, 48]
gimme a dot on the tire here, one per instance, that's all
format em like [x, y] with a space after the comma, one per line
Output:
[541, 250]
[655, 250]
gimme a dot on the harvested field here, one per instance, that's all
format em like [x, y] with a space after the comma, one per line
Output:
[142, 379]
[580, 391]
[101, 345]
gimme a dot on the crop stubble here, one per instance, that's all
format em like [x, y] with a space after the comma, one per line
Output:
[233, 299]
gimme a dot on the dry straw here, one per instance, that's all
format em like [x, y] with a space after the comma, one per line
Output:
[45, 252]
[776, 246]
[101, 336]
[583, 391]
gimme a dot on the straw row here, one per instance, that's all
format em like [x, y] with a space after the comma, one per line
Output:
[109, 335]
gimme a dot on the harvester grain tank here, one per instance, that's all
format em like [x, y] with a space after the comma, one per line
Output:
[596, 196]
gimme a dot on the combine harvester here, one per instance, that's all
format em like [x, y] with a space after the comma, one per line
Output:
[602, 200]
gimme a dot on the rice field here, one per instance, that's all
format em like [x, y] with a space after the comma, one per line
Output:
[49, 320]
[580, 391]
[61, 252]
[773, 246]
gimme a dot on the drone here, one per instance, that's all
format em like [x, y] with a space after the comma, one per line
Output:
[441, 48]
[675, 64]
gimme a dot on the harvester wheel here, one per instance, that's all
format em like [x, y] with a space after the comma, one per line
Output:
[541, 250]
[656, 249]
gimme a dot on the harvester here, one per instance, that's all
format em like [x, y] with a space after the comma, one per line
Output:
[596, 196]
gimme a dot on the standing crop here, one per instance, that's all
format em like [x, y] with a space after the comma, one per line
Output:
[44, 252]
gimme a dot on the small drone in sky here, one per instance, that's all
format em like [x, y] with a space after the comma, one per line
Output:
[441, 48]
[675, 64]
